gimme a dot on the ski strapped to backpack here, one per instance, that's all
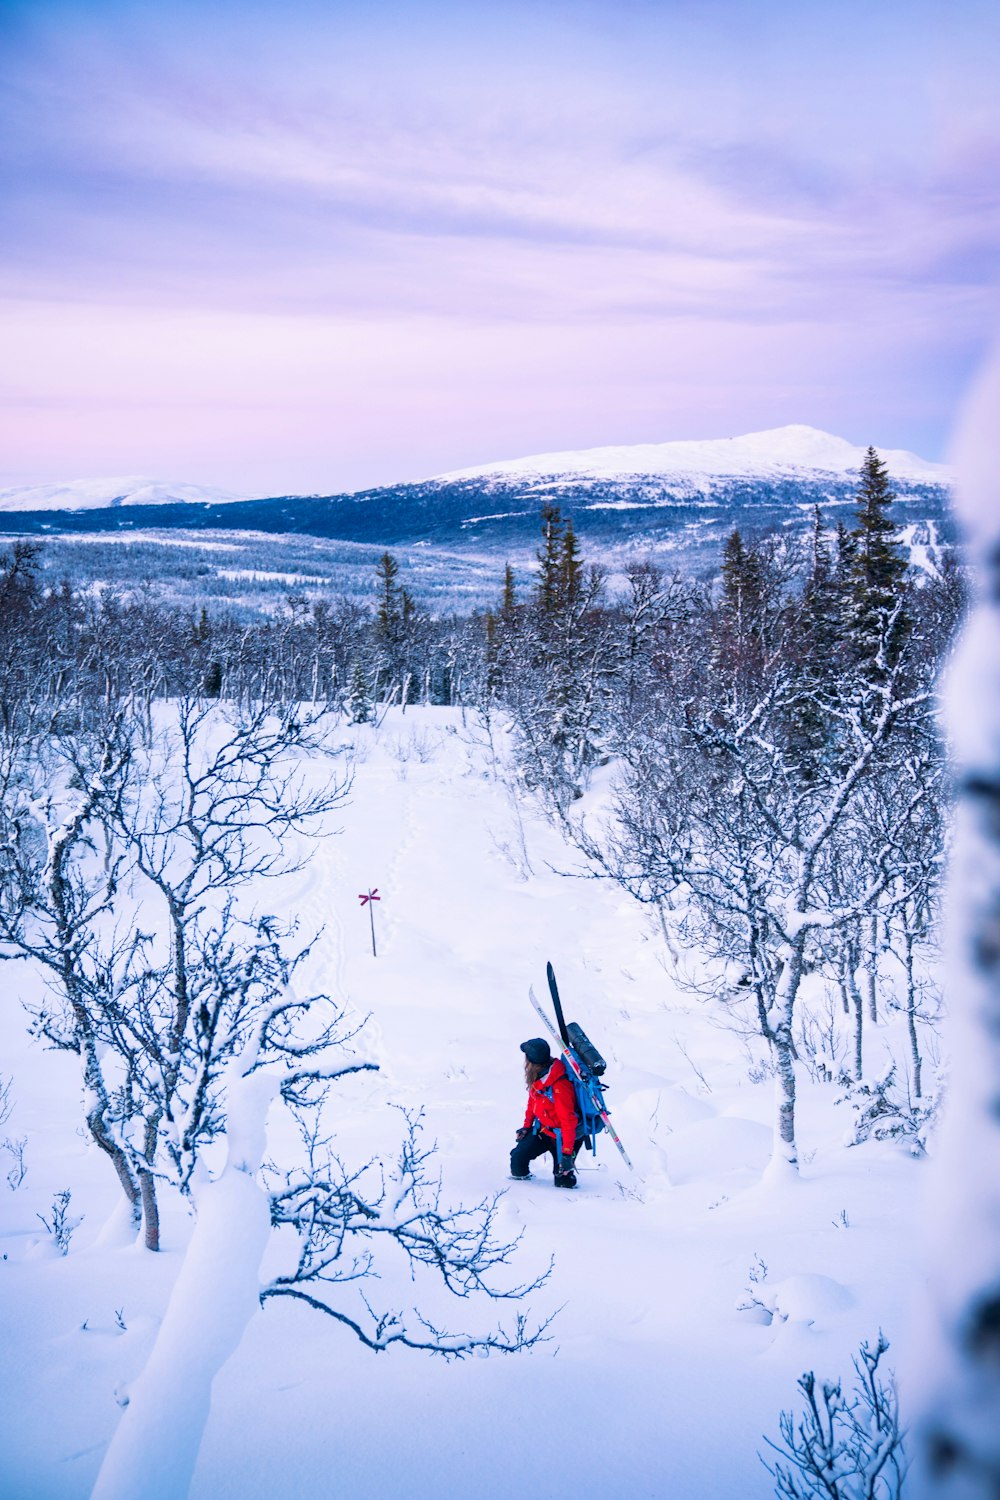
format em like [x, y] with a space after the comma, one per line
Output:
[584, 1067]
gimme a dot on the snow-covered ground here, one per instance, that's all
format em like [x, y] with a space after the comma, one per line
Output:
[653, 1383]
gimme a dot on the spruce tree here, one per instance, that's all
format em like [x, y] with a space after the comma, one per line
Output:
[741, 616]
[877, 568]
[818, 651]
[386, 574]
[395, 622]
[822, 625]
[359, 700]
[508, 602]
[741, 585]
[570, 569]
[550, 561]
[843, 566]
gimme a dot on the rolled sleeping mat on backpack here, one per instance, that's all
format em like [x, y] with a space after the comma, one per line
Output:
[585, 1049]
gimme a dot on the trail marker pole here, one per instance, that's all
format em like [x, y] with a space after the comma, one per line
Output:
[368, 899]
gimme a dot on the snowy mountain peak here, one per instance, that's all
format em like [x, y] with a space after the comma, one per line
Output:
[779, 451]
[98, 494]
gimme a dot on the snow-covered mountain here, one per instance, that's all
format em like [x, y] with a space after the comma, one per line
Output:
[779, 452]
[103, 494]
[654, 499]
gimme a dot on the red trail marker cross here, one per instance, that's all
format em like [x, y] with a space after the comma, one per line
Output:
[368, 898]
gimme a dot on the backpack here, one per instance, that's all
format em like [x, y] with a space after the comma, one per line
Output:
[584, 1066]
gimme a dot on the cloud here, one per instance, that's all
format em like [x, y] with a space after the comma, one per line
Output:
[450, 182]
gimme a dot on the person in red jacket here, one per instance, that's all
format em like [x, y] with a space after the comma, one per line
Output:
[550, 1119]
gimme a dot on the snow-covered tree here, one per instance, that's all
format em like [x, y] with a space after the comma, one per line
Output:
[780, 801]
[843, 1446]
[133, 867]
[877, 570]
[130, 856]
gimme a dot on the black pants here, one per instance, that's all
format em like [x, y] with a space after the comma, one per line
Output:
[529, 1148]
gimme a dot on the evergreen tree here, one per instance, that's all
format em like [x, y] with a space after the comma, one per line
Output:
[550, 562]
[359, 699]
[742, 613]
[877, 569]
[817, 652]
[391, 598]
[846, 552]
[395, 622]
[742, 587]
[213, 680]
[508, 603]
[570, 583]
[821, 615]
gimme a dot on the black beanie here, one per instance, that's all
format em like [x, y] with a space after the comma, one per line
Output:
[536, 1050]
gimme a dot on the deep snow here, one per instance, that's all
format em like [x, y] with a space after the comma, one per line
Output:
[653, 1379]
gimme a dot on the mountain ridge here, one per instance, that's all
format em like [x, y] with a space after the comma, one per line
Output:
[112, 493]
[679, 515]
[778, 451]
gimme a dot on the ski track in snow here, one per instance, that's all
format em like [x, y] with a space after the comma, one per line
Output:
[670, 1387]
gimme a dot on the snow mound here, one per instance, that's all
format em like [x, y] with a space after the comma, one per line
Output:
[661, 1111]
[713, 1148]
[98, 494]
[805, 1298]
[779, 451]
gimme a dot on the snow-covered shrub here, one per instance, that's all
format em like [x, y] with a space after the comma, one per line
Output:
[759, 1069]
[18, 1169]
[8, 1146]
[819, 1043]
[753, 1300]
[60, 1226]
[884, 1111]
[842, 1447]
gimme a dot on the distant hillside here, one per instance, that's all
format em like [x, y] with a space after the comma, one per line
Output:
[678, 500]
[107, 494]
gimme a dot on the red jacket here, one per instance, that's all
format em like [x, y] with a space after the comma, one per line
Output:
[557, 1113]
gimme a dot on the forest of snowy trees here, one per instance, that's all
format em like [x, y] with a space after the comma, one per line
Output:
[780, 779]
[778, 796]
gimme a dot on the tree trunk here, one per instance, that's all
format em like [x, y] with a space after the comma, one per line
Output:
[155, 1447]
[859, 1027]
[101, 1135]
[150, 1210]
[785, 1147]
[911, 1011]
[123, 1171]
[859, 1016]
[147, 1184]
[873, 970]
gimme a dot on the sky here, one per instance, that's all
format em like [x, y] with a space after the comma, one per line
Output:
[320, 246]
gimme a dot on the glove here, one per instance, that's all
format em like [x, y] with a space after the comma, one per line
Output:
[566, 1163]
[522, 1133]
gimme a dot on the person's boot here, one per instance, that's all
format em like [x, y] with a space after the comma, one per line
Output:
[566, 1178]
